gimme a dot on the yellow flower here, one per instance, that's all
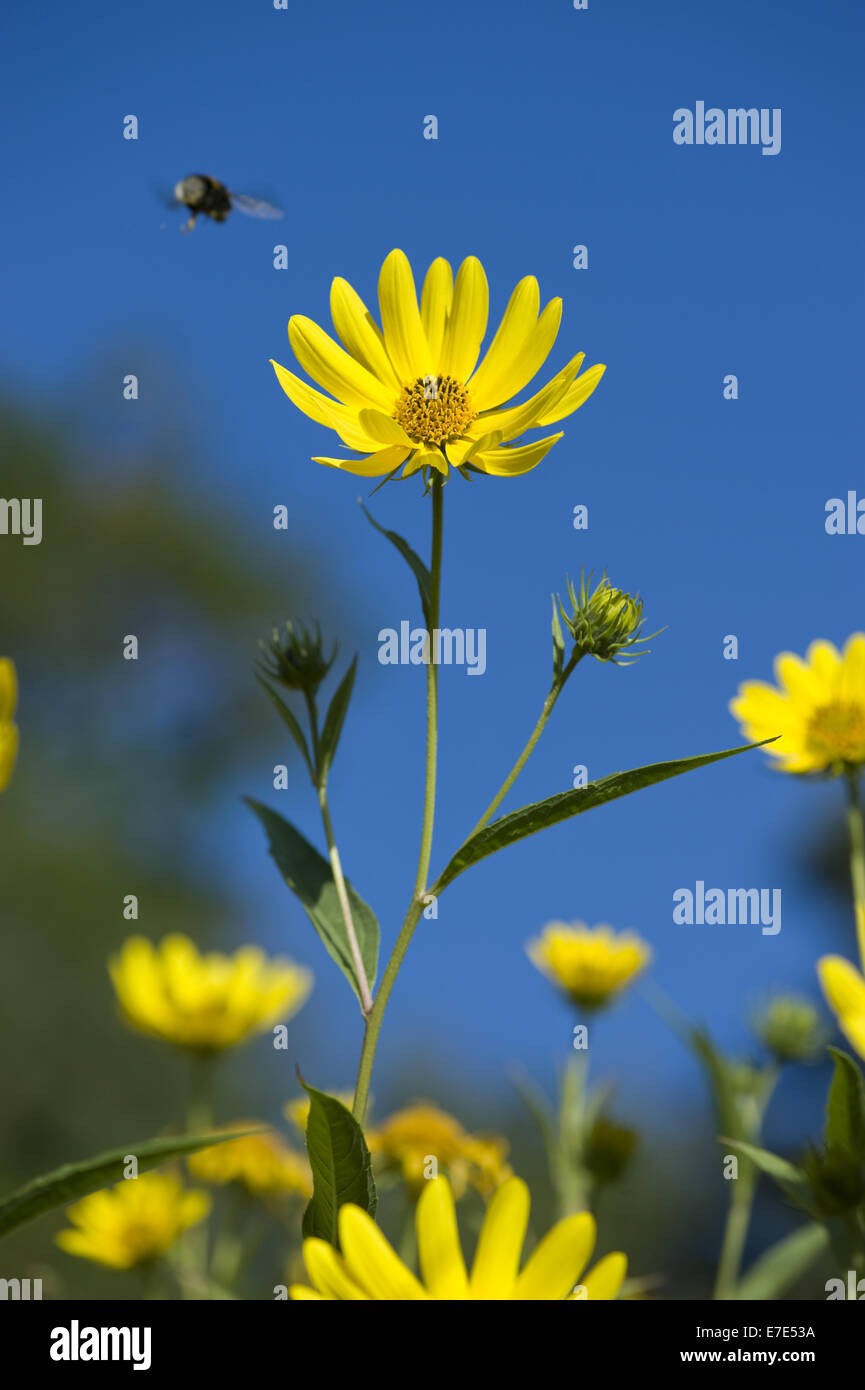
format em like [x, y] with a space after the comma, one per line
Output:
[8, 730]
[591, 964]
[413, 392]
[844, 988]
[420, 1132]
[204, 1002]
[134, 1222]
[369, 1269]
[819, 711]
[263, 1163]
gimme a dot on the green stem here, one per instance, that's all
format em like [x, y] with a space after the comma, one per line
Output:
[413, 916]
[742, 1194]
[856, 827]
[192, 1255]
[336, 865]
[553, 694]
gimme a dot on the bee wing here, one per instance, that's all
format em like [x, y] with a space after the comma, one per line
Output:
[165, 196]
[254, 207]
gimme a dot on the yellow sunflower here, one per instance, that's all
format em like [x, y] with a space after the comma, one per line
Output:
[409, 1138]
[133, 1223]
[819, 710]
[262, 1163]
[204, 1002]
[369, 1269]
[8, 730]
[414, 393]
[590, 964]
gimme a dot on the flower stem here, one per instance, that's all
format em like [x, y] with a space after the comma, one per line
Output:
[413, 916]
[336, 864]
[856, 827]
[742, 1194]
[555, 691]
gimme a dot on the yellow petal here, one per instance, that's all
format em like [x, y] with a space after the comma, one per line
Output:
[490, 385]
[371, 1261]
[328, 1272]
[799, 680]
[497, 1259]
[435, 305]
[400, 319]
[383, 428]
[327, 363]
[429, 458]
[556, 1264]
[464, 450]
[8, 689]
[528, 360]
[360, 333]
[467, 322]
[574, 398]
[853, 674]
[510, 463]
[8, 752]
[376, 466]
[843, 985]
[441, 1260]
[826, 661]
[341, 418]
[299, 1293]
[536, 409]
[606, 1278]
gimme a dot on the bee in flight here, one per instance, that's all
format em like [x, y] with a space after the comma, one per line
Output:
[207, 197]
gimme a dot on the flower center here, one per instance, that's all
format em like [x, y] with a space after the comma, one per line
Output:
[434, 409]
[837, 732]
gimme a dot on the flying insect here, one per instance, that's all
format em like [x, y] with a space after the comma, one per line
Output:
[207, 197]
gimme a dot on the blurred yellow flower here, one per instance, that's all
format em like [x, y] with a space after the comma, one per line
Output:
[818, 712]
[263, 1163]
[591, 964]
[411, 1137]
[134, 1222]
[413, 392]
[204, 1002]
[8, 729]
[844, 988]
[369, 1269]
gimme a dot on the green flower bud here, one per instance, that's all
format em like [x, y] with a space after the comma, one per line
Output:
[296, 659]
[609, 1149]
[790, 1028]
[604, 622]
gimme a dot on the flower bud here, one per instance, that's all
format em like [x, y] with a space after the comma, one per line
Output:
[296, 659]
[789, 1027]
[605, 621]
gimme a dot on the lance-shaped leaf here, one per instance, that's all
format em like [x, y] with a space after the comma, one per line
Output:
[845, 1107]
[418, 568]
[291, 723]
[789, 1178]
[341, 1165]
[310, 878]
[783, 1264]
[333, 722]
[530, 819]
[76, 1180]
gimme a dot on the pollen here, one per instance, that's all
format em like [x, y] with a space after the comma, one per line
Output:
[837, 732]
[434, 409]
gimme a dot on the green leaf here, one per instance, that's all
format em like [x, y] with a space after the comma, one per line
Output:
[558, 643]
[341, 1165]
[789, 1178]
[334, 720]
[722, 1080]
[293, 726]
[75, 1180]
[783, 1264]
[310, 878]
[845, 1106]
[530, 819]
[418, 568]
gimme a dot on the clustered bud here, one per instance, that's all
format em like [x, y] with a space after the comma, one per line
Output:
[604, 622]
[296, 659]
[790, 1028]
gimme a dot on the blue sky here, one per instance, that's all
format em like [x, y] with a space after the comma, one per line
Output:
[555, 128]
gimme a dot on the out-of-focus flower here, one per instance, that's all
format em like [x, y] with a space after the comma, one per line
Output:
[411, 1137]
[844, 988]
[296, 659]
[818, 713]
[297, 1111]
[369, 1269]
[414, 394]
[790, 1028]
[609, 1149]
[590, 964]
[605, 622]
[262, 1163]
[133, 1223]
[204, 1002]
[8, 729]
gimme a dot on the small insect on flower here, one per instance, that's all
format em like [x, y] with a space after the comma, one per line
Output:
[207, 197]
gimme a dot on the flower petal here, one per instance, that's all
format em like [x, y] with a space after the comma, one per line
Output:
[328, 1272]
[527, 361]
[375, 466]
[467, 322]
[327, 363]
[340, 418]
[441, 1259]
[574, 398]
[490, 384]
[435, 305]
[510, 463]
[556, 1264]
[400, 319]
[384, 429]
[527, 416]
[371, 1261]
[8, 689]
[606, 1278]
[497, 1259]
[360, 333]
[853, 674]
[843, 985]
